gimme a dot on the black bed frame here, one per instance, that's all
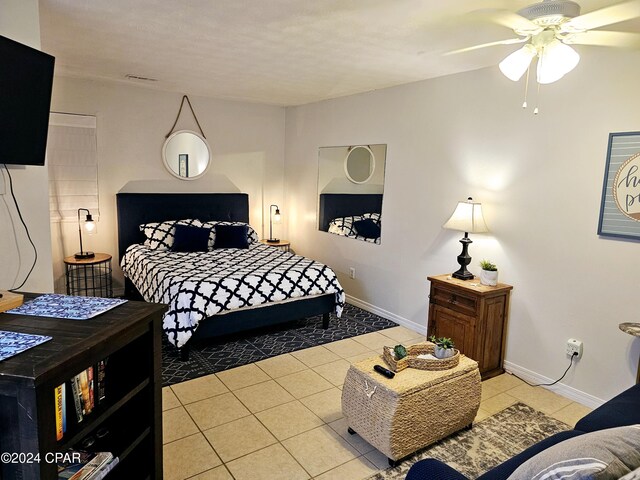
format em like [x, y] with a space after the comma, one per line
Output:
[337, 205]
[135, 209]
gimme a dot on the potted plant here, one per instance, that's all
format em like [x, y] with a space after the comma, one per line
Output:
[488, 274]
[444, 347]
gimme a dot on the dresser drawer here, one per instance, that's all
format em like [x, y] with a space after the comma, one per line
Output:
[453, 300]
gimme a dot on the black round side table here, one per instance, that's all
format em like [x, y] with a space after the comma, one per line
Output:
[89, 277]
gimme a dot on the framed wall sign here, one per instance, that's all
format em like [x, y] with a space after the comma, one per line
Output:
[183, 165]
[620, 206]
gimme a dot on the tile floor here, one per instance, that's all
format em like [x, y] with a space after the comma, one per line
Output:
[281, 418]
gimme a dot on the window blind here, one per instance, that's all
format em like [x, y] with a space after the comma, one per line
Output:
[73, 166]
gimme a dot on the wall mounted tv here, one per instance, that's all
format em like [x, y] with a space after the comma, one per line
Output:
[26, 79]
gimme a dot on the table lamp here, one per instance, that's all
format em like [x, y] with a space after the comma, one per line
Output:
[275, 217]
[89, 226]
[467, 217]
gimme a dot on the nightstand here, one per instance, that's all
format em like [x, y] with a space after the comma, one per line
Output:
[474, 316]
[283, 245]
[89, 276]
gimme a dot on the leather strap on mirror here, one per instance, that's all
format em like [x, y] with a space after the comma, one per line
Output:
[184, 97]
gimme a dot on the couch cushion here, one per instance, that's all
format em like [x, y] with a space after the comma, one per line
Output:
[603, 455]
[432, 469]
[623, 409]
[502, 471]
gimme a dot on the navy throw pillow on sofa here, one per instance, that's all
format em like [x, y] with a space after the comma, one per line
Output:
[231, 236]
[190, 239]
[367, 228]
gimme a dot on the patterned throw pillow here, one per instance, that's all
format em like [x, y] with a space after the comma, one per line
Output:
[160, 235]
[252, 236]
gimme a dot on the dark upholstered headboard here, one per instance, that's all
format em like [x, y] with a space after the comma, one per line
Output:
[335, 205]
[137, 208]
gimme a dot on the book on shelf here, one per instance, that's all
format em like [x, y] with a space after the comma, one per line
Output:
[100, 383]
[95, 465]
[76, 393]
[73, 461]
[61, 411]
[84, 390]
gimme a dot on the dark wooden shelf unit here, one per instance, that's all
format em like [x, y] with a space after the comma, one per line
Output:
[129, 336]
[474, 316]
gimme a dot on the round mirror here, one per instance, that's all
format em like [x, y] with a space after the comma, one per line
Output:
[186, 154]
[359, 164]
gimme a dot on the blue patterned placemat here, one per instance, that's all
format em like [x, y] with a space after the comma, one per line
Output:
[12, 343]
[67, 306]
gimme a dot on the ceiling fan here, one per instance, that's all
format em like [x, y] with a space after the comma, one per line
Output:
[548, 28]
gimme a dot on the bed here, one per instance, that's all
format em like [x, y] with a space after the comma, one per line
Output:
[340, 213]
[171, 271]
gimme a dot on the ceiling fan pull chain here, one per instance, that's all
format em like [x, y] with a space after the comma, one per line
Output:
[526, 88]
[535, 110]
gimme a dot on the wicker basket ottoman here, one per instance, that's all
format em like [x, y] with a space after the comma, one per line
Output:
[414, 409]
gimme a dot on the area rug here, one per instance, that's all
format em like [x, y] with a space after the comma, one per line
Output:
[233, 351]
[489, 443]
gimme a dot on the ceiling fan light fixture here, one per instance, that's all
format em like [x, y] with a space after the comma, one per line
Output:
[516, 64]
[556, 60]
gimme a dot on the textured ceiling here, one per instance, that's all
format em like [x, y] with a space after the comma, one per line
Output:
[279, 52]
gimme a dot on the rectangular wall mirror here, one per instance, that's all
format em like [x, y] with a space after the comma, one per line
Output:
[350, 188]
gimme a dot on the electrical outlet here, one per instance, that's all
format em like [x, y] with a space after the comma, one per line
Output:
[352, 272]
[574, 346]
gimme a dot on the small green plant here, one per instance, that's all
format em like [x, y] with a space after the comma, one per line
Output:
[442, 342]
[399, 351]
[488, 266]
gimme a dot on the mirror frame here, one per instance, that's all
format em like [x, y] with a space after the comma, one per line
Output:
[372, 164]
[166, 163]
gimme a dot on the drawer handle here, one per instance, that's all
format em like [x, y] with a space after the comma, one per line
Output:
[453, 300]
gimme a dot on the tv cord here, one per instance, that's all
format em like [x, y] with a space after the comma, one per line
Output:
[575, 354]
[26, 229]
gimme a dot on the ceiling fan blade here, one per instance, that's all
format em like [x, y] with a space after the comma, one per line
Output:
[604, 38]
[605, 16]
[510, 20]
[509, 41]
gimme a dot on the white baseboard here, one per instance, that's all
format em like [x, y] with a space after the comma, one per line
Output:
[422, 329]
[559, 388]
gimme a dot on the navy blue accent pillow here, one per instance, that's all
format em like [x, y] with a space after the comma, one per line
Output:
[231, 236]
[367, 228]
[190, 239]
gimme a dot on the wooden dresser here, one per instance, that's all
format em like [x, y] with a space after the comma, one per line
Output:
[474, 316]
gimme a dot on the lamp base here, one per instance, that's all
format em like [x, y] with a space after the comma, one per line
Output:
[84, 255]
[273, 240]
[463, 274]
[463, 260]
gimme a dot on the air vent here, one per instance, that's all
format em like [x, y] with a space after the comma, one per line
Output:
[141, 78]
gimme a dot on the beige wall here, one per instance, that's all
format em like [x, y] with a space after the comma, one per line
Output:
[539, 179]
[247, 143]
[19, 21]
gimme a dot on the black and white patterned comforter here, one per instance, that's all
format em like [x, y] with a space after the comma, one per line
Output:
[199, 285]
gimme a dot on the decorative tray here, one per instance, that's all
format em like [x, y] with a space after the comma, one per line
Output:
[412, 360]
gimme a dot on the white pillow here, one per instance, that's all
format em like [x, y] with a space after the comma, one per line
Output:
[160, 235]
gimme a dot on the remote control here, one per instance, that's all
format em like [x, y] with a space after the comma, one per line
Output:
[384, 371]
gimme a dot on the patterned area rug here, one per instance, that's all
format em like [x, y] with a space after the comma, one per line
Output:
[233, 351]
[489, 443]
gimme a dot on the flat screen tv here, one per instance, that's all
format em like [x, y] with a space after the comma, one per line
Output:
[26, 79]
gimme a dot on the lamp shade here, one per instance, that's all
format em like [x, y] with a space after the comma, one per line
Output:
[89, 225]
[515, 64]
[556, 60]
[467, 217]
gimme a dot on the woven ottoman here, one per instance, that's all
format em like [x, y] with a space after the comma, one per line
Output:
[414, 409]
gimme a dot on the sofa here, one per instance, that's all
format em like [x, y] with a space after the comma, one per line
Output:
[621, 411]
